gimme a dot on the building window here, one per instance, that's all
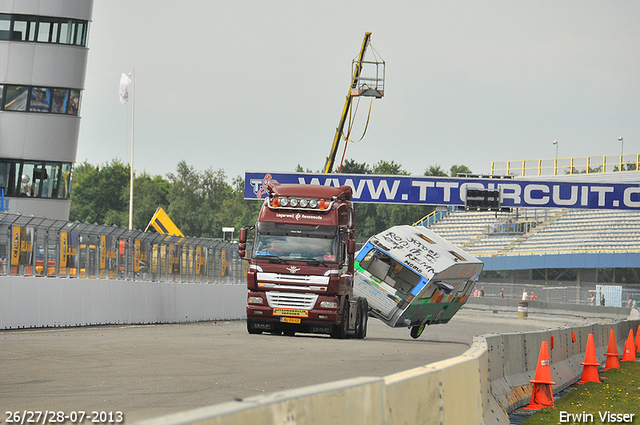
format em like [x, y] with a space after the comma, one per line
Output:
[35, 179]
[60, 101]
[16, 98]
[39, 99]
[5, 26]
[43, 29]
[19, 32]
[74, 102]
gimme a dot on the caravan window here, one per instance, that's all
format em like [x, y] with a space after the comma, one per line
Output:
[390, 271]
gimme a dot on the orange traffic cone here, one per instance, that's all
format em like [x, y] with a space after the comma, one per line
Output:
[638, 340]
[590, 369]
[629, 349]
[612, 353]
[542, 395]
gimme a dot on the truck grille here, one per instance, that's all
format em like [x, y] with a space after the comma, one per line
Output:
[291, 300]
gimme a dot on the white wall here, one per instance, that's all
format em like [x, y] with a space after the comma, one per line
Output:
[27, 302]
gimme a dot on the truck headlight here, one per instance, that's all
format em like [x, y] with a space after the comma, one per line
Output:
[255, 300]
[328, 304]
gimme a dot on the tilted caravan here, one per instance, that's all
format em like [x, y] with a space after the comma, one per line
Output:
[412, 277]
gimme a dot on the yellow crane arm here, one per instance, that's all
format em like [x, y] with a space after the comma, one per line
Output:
[328, 166]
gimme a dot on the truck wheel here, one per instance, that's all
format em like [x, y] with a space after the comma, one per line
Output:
[363, 318]
[416, 331]
[340, 330]
[252, 331]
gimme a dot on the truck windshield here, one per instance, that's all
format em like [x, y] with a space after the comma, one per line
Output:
[296, 242]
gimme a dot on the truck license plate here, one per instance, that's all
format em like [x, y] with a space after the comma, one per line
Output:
[290, 312]
[290, 320]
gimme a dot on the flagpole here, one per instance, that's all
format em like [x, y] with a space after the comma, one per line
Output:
[133, 114]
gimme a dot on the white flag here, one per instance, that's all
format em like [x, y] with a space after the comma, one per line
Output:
[125, 80]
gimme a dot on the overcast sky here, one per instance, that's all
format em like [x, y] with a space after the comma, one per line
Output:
[259, 85]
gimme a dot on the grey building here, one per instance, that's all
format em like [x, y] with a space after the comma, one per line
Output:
[43, 58]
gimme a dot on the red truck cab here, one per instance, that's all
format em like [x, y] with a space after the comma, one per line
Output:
[301, 270]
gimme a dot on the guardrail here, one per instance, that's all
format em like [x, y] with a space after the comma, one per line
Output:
[32, 246]
[433, 217]
[564, 166]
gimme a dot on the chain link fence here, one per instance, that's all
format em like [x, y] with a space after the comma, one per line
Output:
[33, 246]
[588, 294]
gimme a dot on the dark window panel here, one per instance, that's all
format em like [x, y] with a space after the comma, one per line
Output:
[16, 98]
[40, 99]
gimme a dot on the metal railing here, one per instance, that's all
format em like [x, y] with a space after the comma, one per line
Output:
[565, 166]
[33, 246]
[510, 227]
[434, 216]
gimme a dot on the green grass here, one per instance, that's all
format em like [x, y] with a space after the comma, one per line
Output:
[617, 393]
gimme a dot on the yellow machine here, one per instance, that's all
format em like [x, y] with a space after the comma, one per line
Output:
[163, 224]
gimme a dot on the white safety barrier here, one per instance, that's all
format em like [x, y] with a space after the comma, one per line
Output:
[27, 302]
[478, 387]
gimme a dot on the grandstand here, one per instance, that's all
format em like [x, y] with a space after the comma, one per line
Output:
[527, 239]
[538, 232]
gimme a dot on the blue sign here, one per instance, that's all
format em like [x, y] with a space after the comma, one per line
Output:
[419, 190]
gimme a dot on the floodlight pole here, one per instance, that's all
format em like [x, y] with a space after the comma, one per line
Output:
[133, 115]
[555, 166]
[621, 139]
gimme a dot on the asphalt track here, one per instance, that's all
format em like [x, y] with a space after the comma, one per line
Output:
[150, 370]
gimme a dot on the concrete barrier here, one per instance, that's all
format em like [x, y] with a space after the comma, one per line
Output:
[481, 386]
[32, 302]
[513, 357]
[358, 401]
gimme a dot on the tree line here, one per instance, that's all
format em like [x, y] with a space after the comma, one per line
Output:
[200, 203]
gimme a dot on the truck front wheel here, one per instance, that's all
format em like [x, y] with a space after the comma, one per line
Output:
[363, 318]
[340, 330]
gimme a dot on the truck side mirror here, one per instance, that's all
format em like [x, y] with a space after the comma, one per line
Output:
[351, 246]
[242, 243]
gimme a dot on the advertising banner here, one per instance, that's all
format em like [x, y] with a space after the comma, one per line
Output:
[225, 263]
[136, 256]
[201, 261]
[108, 262]
[73, 258]
[15, 245]
[22, 245]
[420, 190]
